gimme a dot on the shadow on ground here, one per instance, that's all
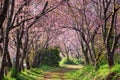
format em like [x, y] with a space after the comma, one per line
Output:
[53, 74]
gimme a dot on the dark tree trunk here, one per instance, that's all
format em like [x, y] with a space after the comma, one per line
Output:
[9, 63]
[86, 58]
[22, 63]
[90, 53]
[85, 53]
[6, 61]
[17, 61]
[21, 66]
[38, 59]
[110, 59]
[3, 66]
[27, 63]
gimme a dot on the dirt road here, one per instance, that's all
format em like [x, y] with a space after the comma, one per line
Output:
[60, 73]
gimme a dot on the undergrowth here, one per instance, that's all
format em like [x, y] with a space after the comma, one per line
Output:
[72, 61]
[89, 73]
[32, 74]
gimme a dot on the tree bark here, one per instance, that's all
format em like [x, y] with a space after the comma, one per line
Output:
[6, 61]
[110, 59]
[27, 63]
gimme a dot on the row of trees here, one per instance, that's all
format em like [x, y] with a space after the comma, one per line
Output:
[29, 27]
[22, 34]
[96, 23]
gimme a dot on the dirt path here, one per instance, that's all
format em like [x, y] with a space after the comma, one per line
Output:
[59, 74]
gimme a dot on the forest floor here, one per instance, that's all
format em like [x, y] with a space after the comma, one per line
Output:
[59, 74]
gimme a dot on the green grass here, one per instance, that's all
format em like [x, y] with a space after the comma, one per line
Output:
[88, 73]
[31, 74]
[83, 74]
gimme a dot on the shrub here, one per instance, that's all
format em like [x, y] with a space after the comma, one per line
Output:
[52, 57]
[70, 61]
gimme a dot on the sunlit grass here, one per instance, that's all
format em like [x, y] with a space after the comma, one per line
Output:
[88, 73]
[32, 74]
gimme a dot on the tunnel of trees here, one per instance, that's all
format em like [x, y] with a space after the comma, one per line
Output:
[37, 32]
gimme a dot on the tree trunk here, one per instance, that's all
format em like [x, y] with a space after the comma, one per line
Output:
[86, 58]
[17, 61]
[6, 61]
[67, 54]
[9, 63]
[27, 63]
[85, 53]
[22, 64]
[110, 59]
[3, 66]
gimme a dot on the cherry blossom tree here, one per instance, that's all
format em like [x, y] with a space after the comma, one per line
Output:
[15, 14]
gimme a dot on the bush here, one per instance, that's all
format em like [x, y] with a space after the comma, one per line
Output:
[70, 61]
[52, 57]
[66, 61]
